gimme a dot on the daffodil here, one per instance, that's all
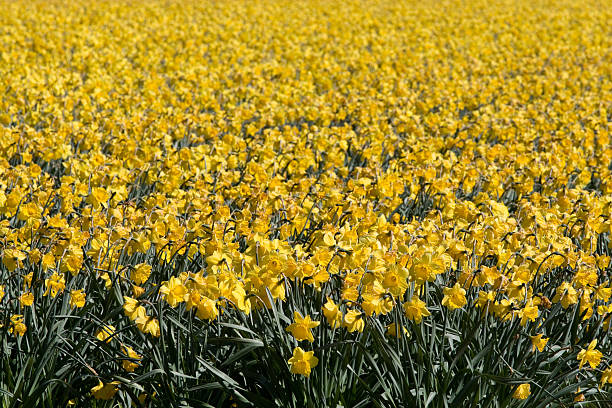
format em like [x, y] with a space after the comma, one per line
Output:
[332, 313]
[174, 291]
[77, 298]
[140, 274]
[97, 197]
[454, 297]
[105, 391]
[353, 321]
[302, 362]
[590, 355]
[26, 299]
[131, 363]
[17, 326]
[300, 328]
[538, 342]
[132, 308]
[106, 333]
[522, 391]
[566, 294]
[606, 377]
[415, 309]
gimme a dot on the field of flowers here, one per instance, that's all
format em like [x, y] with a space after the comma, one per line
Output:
[281, 203]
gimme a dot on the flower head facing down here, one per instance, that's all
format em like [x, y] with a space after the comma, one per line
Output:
[132, 308]
[528, 313]
[148, 324]
[131, 362]
[394, 330]
[566, 294]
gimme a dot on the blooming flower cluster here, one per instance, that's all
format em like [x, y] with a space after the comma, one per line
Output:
[210, 162]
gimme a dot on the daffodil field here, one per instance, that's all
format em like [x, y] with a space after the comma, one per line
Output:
[274, 203]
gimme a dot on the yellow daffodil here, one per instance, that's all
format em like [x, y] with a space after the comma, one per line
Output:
[590, 355]
[105, 391]
[538, 342]
[332, 313]
[300, 328]
[454, 297]
[302, 362]
[130, 365]
[77, 298]
[522, 391]
[174, 291]
[353, 321]
[106, 333]
[415, 309]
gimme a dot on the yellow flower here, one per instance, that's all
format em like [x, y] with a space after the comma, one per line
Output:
[301, 328]
[538, 342]
[148, 324]
[606, 376]
[393, 331]
[529, 312]
[26, 299]
[17, 326]
[566, 294]
[485, 298]
[332, 313]
[174, 291]
[72, 262]
[590, 355]
[105, 333]
[132, 308]
[98, 196]
[353, 321]
[27, 279]
[207, 309]
[454, 297]
[77, 298]
[328, 239]
[522, 391]
[302, 362]
[105, 391]
[141, 273]
[137, 291]
[48, 261]
[12, 258]
[128, 364]
[415, 309]
[108, 282]
[55, 284]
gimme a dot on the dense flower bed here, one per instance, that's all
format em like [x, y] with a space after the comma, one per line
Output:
[279, 203]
